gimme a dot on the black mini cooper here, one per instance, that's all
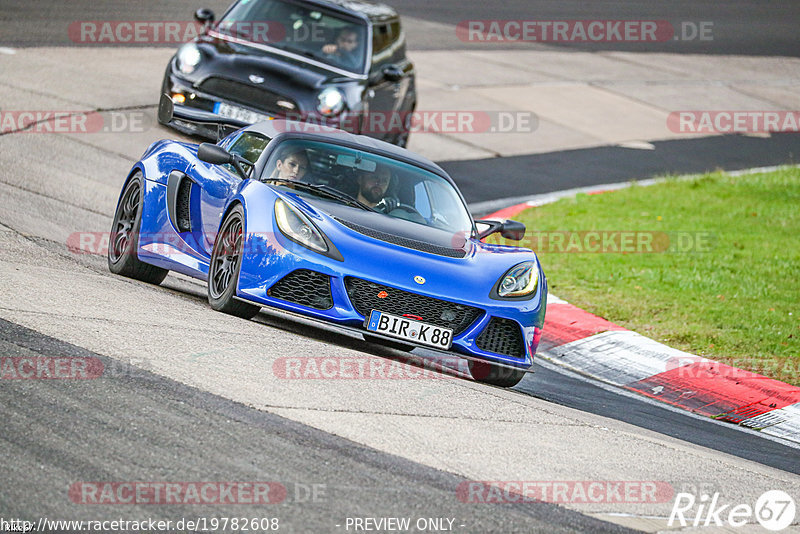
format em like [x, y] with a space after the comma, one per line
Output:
[341, 63]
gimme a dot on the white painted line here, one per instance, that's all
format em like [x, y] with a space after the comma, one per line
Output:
[783, 423]
[638, 145]
[620, 357]
[7, 51]
[552, 299]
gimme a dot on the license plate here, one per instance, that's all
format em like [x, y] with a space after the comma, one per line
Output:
[235, 112]
[409, 329]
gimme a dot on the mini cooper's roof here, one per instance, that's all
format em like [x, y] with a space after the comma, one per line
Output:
[373, 12]
[285, 128]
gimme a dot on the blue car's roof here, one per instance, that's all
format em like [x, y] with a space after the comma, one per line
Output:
[286, 128]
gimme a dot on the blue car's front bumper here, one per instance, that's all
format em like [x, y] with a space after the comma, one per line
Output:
[278, 272]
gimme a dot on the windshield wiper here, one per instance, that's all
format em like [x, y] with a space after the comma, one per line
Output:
[324, 190]
[298, 51]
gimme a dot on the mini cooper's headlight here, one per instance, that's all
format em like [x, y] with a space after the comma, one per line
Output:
[189, 57]
[330, 102]
[298, 228]
[520, 281]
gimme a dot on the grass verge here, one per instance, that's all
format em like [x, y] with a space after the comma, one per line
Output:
[709, 265]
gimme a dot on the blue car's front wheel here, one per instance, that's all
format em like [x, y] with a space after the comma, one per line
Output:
[123, 244]
[495, 375]
[226, 262]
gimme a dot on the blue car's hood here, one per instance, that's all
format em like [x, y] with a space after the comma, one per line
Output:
[473, 264]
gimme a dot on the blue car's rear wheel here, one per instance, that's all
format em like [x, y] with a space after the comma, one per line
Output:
[226, 263]
[495, 375]
[123, 244]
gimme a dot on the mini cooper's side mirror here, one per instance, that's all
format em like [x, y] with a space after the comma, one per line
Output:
[205, 16]
[513, 230]
[392, 73]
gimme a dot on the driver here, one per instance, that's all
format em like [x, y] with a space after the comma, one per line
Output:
[372, 187]
[345, 50]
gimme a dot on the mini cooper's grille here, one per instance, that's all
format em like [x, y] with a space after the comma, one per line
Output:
[502, 336]
[366, 296]
[403, 241]
[304, 287]
[249, 95]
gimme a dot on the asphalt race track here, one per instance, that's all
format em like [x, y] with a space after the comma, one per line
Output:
[191, 395]
[167, 427]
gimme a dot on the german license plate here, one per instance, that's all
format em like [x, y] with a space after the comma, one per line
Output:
[410, 329]
[235, 112]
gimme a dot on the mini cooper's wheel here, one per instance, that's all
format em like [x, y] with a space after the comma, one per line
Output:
[495, 375]
[123, 243]
[226, 262]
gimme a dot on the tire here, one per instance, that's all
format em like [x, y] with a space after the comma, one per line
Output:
[495, 375]
[123, 244]
[226, 263]
[396, 345]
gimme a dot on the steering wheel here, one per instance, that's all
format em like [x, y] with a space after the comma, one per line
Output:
[415, 216]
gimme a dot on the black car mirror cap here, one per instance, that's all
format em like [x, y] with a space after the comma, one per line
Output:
[205, 16]
[216, 155]
[393, 73]
[513, 230]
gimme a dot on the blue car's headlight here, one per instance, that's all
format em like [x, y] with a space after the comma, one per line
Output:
[519, 281]
[189, 57]
[298, 228]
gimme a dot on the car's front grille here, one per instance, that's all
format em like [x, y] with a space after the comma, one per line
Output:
[404, 241]
[304, 287]
[502, 336]
[367, 296]
[248, 95]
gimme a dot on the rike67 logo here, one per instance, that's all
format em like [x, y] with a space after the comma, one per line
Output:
[774, 510]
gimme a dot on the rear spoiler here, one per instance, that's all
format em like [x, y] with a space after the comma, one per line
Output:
[168, 111]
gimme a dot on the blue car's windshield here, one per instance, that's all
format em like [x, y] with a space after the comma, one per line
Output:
[388, 186]
[310, 32]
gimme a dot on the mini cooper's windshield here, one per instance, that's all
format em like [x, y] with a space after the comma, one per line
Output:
[368, 181]
[307, 31]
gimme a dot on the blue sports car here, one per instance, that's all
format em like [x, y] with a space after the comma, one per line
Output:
[341, 228]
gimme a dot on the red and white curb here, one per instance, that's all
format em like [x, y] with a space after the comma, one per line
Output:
[593, 346]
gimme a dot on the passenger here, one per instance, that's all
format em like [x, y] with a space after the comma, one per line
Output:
[292, 163]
